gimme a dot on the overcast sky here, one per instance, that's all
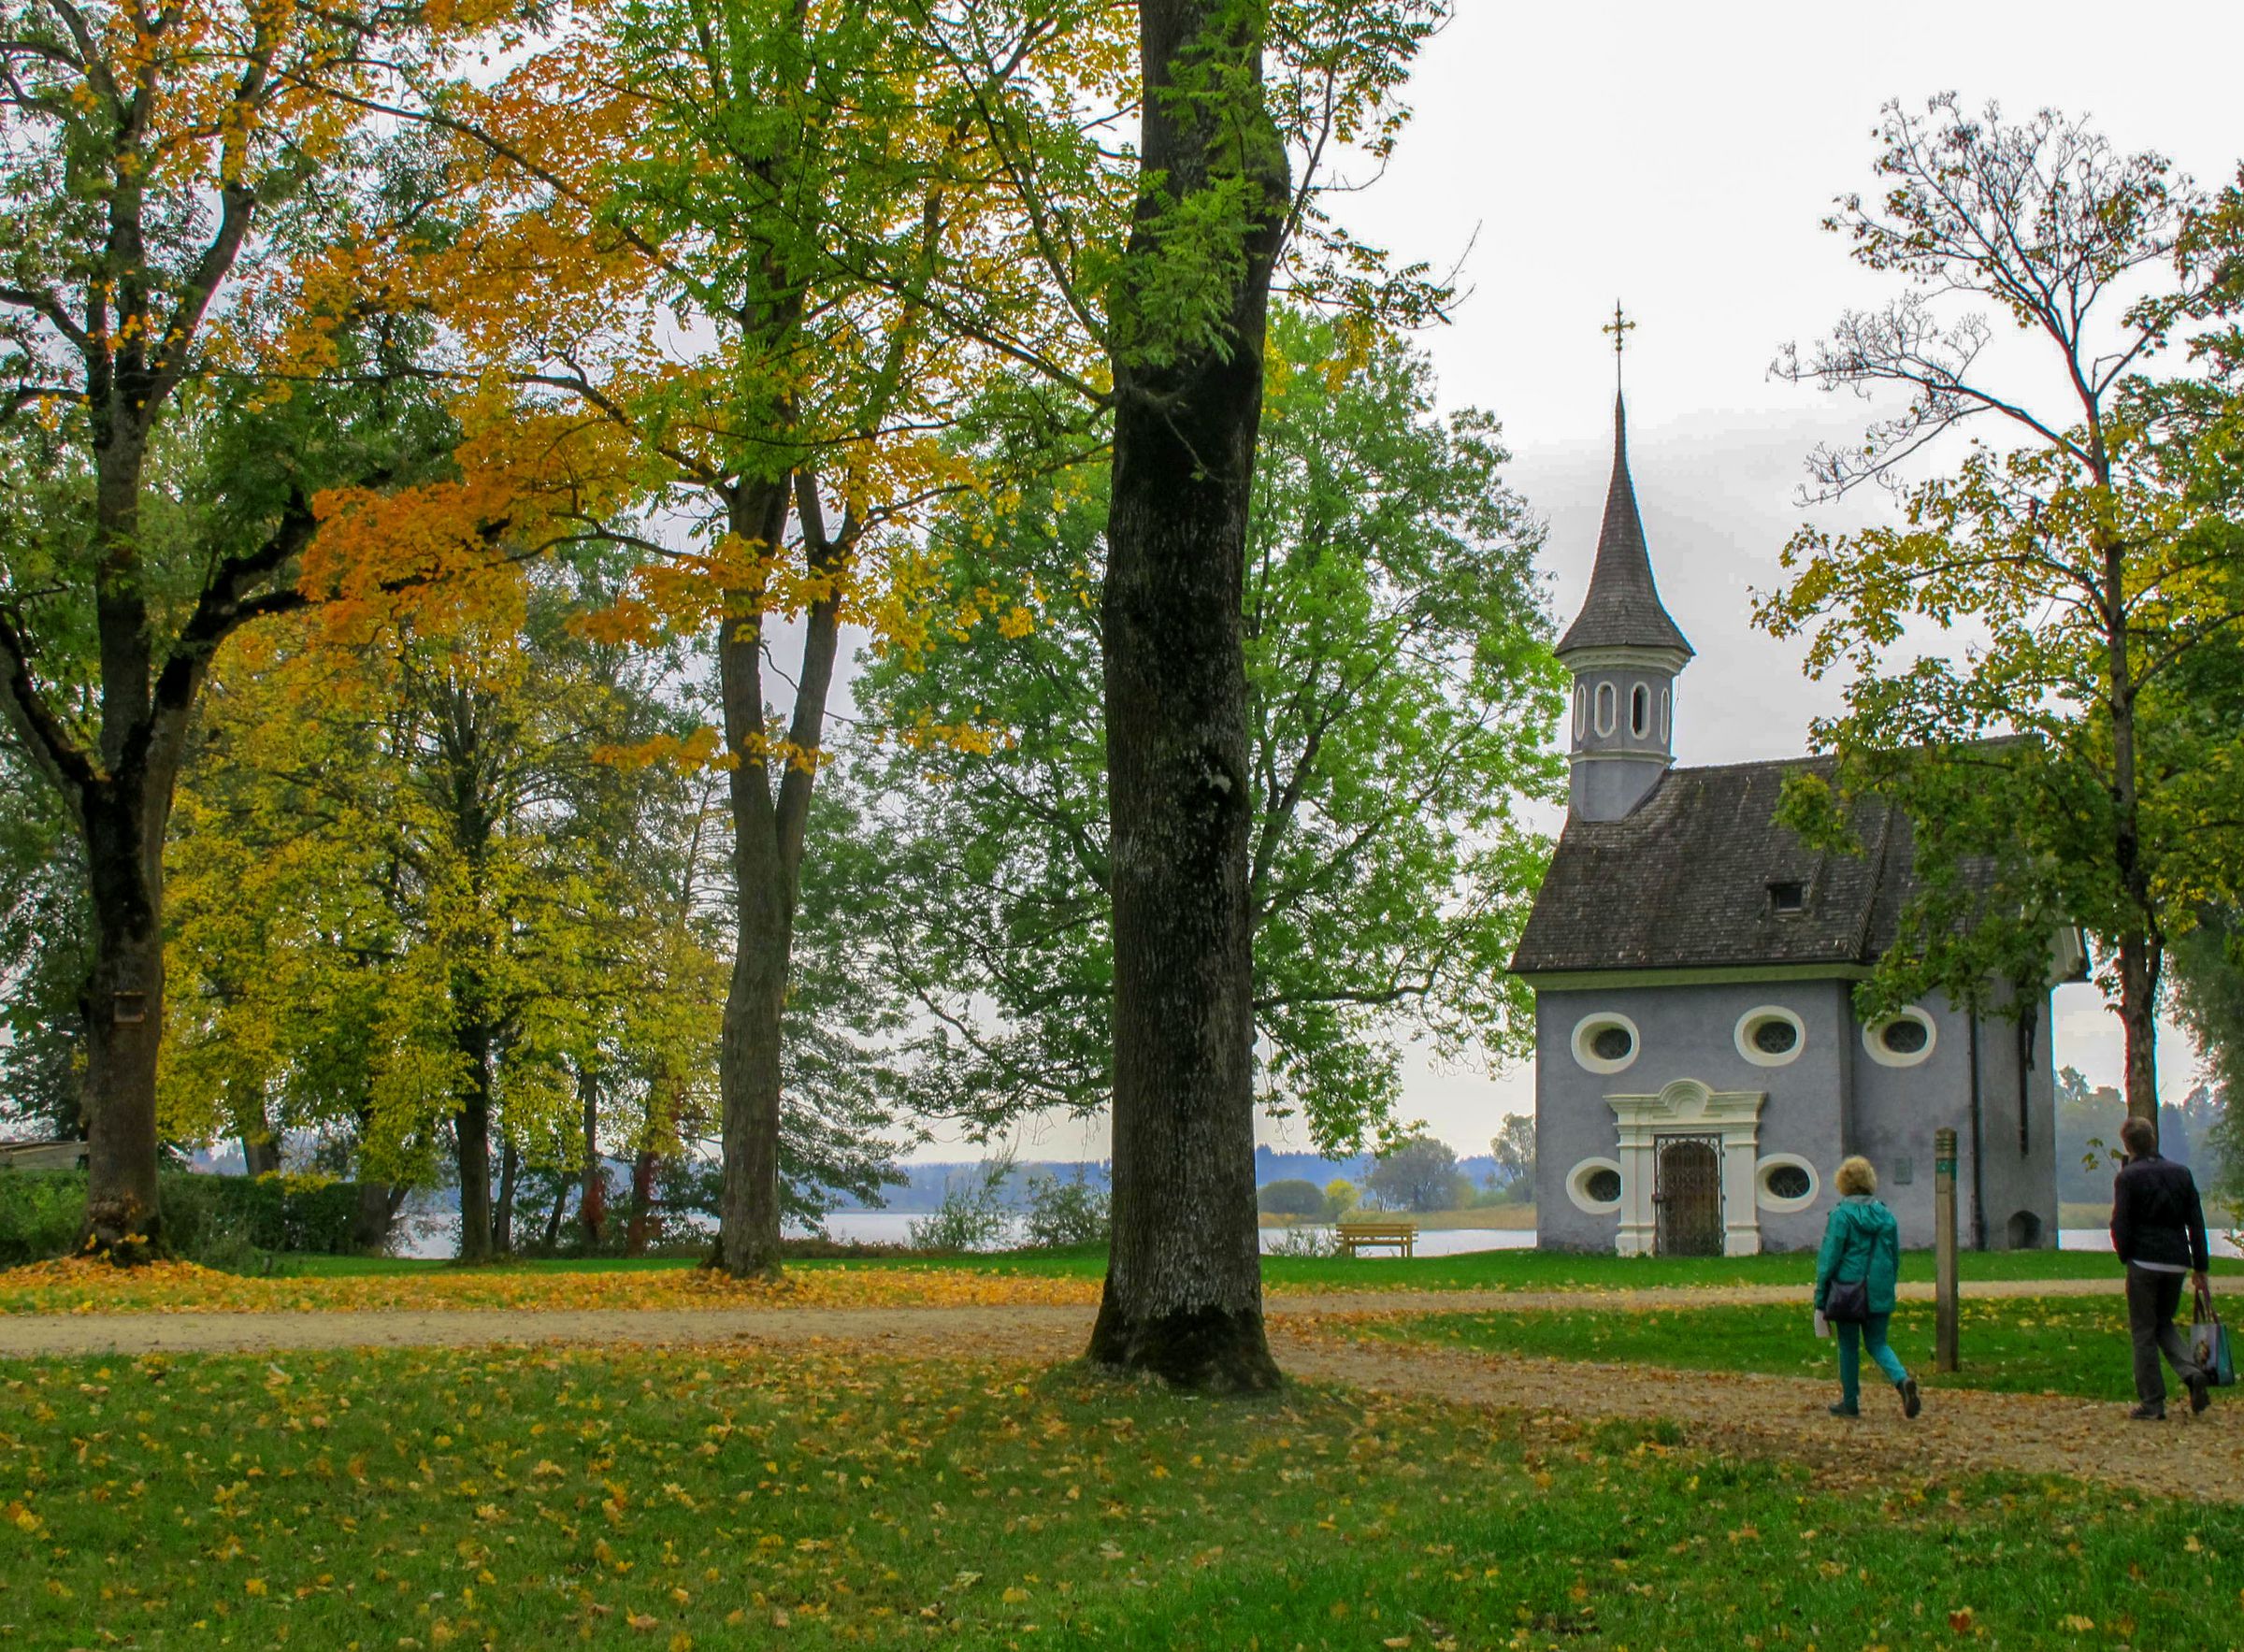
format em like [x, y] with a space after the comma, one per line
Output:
[1680, 158]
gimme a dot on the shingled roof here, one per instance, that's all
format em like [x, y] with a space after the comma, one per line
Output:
[1685, 882]
[1622, 608]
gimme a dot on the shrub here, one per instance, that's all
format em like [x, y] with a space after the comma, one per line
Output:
[1340, 1198]
[1066, 1213]
[41, 1214]
[218, 1221]
[968, 1219]
[1292, 1197]
[1304, 1242]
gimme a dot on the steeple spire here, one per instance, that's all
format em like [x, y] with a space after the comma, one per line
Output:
[1622, 608]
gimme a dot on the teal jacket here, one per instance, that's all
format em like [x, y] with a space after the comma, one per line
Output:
[1861, 1239]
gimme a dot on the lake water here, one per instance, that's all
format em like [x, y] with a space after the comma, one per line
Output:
[439, 1237]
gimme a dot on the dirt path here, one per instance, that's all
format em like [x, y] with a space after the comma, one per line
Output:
[1960, 1431]
[199, 1331]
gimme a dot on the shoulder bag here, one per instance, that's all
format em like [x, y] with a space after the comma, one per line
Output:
[1846, 1302]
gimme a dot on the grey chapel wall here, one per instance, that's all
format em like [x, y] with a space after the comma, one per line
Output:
[1834, 1098]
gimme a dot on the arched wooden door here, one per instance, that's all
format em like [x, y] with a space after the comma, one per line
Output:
[1686, 1192]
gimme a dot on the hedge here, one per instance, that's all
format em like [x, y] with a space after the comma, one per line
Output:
[42, 1213]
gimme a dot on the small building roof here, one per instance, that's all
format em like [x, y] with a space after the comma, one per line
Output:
[1622, 608]
[1689, 880]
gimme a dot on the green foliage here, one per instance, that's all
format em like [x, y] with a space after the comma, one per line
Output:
[972, 1217]
[42, 1214]
[1069, 1212]
[1340, 1196]
[1512, 1147]
[1417, 1174]
[1402, 696]
[1292, 1197]
[2209, 996]
[218, 1221]
[2040, 650]
[44, 948]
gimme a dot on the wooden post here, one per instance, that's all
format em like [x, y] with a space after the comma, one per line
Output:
[1944, 1247]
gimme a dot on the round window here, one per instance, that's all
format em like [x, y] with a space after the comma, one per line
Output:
[1907, 1037]
[1605, 1042]
[1788, 1181]
[1770, 1036]
[1603, 1186]
[1776, 1038]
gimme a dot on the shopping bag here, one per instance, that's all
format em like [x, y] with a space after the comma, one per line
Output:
[2209, 1349]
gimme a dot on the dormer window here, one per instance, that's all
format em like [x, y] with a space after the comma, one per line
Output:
[1788, 897]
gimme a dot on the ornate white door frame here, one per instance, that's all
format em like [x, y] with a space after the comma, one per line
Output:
[1687, 1106]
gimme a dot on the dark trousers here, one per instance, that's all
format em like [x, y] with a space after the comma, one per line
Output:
[2152, 1300]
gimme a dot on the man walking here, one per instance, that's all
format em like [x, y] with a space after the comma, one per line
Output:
[2158, 1229]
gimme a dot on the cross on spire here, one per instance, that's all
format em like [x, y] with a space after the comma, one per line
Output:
[1620, 327]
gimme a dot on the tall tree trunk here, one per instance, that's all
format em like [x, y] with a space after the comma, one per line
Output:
[769, 811]
[261, 1155]
[124, 1013]
[642, 1202]
[378, 1206]
[1184, 1286]
[594, 1210]
[748, 1067]
[472, 1133]
[502, 1214]
[551, 1242]
[2141, 949]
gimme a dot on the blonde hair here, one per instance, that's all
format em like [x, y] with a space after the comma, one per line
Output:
[1856, 1176]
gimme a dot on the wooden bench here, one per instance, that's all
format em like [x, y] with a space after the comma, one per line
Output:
[1357, 1234]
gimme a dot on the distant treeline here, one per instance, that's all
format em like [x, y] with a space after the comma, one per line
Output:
[925, 1184]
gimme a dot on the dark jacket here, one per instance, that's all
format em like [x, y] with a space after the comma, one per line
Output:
[2155, 1216]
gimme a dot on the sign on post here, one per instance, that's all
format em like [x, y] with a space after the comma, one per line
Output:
[1944, 1247]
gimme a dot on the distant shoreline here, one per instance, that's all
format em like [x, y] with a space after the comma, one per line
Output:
[1512, 1218]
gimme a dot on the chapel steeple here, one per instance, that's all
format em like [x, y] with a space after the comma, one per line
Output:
[1624, 651]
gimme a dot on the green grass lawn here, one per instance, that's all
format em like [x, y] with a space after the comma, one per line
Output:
[2075, 1345]
[413, 1499]
[1495, 1269]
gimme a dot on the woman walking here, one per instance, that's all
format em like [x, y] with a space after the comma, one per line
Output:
[1855, 1273]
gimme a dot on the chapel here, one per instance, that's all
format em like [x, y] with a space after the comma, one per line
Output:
[1700, 1067]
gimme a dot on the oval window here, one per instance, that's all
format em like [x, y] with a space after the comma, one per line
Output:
[1607, 702]
[1605, 1042]
[1905, 1038]
[1581, 710]
[1640, 710]
[1788, 1181]
[1770, 1036]
[1603, 1186]
[1776, 1038]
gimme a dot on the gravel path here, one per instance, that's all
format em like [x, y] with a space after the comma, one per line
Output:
[199, 1331]
[1960, 1431]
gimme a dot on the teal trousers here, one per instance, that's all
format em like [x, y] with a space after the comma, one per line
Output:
[1851, 1338]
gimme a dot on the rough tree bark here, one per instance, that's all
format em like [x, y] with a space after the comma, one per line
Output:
[769, 815]
[592, 1212]
[1184, 1286]
[472, 1136]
